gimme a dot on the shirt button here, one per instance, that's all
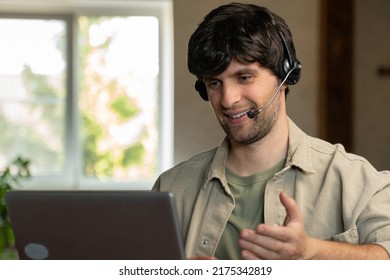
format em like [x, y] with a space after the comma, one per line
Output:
[205, 242]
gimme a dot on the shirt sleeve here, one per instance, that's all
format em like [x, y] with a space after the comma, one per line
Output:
[374, 221]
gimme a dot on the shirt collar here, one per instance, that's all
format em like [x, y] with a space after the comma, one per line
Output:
[298, 154]
[299, 148]
[217, 167]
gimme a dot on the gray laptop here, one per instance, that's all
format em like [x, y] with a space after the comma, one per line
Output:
[90, 225]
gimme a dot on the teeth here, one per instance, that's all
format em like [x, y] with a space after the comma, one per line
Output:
[238, 115]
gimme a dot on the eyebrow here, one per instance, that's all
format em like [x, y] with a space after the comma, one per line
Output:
[239, 72]
[246, 70]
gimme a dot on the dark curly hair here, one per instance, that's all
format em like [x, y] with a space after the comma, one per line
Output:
[246, 32]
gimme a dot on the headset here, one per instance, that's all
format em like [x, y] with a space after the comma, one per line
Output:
[290, 70]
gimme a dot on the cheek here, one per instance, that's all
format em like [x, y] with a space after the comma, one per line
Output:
[214, 101]
[217, 112]
[216, 108]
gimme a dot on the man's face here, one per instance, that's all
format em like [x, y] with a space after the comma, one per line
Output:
[243, 87]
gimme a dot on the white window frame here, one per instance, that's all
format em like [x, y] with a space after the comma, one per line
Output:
[69, 11]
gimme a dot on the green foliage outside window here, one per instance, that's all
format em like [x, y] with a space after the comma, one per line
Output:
[10, 178]
[124, 108]
[106, 103]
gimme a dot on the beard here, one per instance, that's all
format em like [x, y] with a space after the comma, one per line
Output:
[261, 126]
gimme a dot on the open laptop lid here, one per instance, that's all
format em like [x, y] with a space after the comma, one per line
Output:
[94, 225]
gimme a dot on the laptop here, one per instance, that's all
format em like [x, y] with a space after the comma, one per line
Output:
[92, 225]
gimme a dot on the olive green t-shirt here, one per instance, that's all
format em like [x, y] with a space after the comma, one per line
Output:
[248, 193]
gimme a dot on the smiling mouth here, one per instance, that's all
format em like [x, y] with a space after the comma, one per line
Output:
[237, 116]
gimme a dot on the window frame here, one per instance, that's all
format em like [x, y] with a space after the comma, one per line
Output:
[73, 177]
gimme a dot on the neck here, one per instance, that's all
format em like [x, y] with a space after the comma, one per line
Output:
[246, 160]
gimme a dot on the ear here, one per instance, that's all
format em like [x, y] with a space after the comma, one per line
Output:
[284, 87]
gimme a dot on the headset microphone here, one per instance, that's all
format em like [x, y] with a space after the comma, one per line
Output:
[252, 114]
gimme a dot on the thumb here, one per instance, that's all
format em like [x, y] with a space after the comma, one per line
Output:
[293, 212]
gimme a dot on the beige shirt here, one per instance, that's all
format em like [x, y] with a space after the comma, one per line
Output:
[342, 197]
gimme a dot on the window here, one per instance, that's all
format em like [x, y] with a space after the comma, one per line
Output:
[87, 96]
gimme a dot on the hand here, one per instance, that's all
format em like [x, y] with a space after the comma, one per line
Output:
[278, 242]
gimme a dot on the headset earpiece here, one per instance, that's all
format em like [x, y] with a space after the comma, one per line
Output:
[289, 63]
[201, 89]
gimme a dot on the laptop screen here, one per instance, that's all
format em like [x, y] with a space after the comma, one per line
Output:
[94, 225]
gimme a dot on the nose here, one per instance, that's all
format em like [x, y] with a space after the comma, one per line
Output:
[230, 95]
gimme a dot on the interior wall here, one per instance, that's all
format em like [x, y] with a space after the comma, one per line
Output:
[372, 89]
[196, 128]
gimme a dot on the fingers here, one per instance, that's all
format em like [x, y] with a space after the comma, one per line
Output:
[292, 209]
[266, 235]
[276, 242]
[260, 244]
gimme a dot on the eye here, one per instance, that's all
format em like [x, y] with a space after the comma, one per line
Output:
[213, 84]
[245, 78]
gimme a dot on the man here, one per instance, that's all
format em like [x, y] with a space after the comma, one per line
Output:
[269, 191]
